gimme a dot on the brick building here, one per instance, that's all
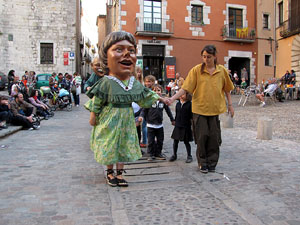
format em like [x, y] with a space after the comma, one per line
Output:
[171, 34]
[39, 36]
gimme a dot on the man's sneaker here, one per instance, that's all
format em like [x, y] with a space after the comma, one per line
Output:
[262, 104]
[189, 159]
[36, 127]
[211, 169]
[161, 157]
[31, 128]
[203, 169]
[173, 158]
[151, 158]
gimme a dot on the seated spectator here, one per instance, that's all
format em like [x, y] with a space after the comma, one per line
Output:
[24, 111]
[286, 77]
[270, 89]
[24, 81]
[42, 108]
[293, 75]
[243, 84]
[10, 118]
[3, 115]
[291, 87]
[15, 88]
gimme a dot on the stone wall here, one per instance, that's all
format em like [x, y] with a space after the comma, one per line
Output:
[25, 24]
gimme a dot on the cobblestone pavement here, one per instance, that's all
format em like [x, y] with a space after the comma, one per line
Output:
[285, 116]
[51, 178]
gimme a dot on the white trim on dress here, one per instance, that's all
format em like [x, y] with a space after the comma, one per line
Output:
[126, 88]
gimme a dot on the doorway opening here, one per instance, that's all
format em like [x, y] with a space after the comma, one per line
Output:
[236, 64]
[153, 61]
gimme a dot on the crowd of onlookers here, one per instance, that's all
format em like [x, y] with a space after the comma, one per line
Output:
[281, 89]
[25, 106]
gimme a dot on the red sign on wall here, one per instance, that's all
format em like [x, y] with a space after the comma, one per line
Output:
[66, 55]
[66, 61]
[170, 71]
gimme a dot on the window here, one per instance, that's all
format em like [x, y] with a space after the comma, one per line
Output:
[46, 53]
[10, 37]
[280, 13]
[152, 15]
[266, 21]
[235, 20]
[268, 60]
[197, 14]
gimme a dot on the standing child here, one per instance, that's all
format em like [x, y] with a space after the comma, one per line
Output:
[183, 126]
[148, 82]
[114, 138]
[155, 129]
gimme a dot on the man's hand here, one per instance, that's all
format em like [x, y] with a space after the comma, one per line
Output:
[231, 110]
[29, 119]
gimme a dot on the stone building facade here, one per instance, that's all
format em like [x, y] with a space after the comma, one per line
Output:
[171, 34]
[42, 36]
[288, 37]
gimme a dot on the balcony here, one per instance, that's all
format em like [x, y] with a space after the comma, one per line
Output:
[245, 34]
[154, 27]
[289, 27]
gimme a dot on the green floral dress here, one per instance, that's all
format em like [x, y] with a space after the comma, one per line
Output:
[114, 138]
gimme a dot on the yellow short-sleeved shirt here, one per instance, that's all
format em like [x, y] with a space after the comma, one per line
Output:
[208, 90]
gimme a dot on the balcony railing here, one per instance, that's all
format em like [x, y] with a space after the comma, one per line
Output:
[245, 34]
[290, 27]
[154, 26]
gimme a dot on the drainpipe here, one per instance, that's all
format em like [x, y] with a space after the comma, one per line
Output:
[275, 39]
[255, 28]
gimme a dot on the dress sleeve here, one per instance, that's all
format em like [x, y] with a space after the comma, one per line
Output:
[94, 105]
[149, 99]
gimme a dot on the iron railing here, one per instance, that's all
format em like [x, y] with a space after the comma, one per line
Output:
[289, 27]
[148, 26]
[245, 34]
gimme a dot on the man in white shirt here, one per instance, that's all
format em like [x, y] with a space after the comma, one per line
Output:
[270, 90]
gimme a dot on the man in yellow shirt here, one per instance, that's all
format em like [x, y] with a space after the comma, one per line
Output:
[209, 83]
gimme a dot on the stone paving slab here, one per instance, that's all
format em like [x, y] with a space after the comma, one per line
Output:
[184, 204]
[10, 130]
[50, 177]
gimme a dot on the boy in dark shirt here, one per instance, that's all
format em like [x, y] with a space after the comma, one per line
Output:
[155, 129]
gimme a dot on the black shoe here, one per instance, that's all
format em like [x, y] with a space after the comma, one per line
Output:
[173, 158]
[189, 159]
[161, 157]
[203, 169]
[113, 182]
[211, 169]
[121, 182]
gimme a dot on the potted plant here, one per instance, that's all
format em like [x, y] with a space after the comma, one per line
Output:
[224, 31]
[252, 33]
